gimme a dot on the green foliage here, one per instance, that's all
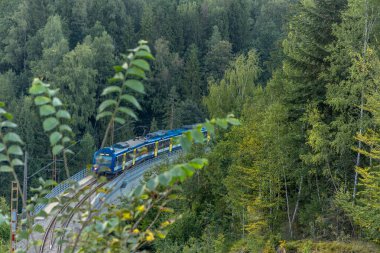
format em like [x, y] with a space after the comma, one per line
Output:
[127, 77]
[10, 143]
[54, 118]
[236, 88]
[366, 208]
[4, 223]
[330, 247]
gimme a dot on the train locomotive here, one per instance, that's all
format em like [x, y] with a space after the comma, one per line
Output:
[124, 155]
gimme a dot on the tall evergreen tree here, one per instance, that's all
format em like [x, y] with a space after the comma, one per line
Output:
[238, 19]
[172, 110]
[219, 55]
[310, 33]
[192, 82]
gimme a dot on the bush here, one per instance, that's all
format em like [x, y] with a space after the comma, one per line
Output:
[308, 246]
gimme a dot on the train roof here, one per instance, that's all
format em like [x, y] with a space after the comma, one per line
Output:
[122, 147]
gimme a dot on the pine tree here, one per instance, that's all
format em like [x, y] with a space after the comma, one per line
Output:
[146, 24]
[238, 19]
[78, 22]
[173, 114]
[192, 83]
[219, 55]
[153, 125]
[306, 48]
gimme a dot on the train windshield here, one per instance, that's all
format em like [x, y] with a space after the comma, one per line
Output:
[104, 160]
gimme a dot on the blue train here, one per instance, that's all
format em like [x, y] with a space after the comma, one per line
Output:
[124, 155]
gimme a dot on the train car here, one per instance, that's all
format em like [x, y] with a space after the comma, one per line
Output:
[124, 155]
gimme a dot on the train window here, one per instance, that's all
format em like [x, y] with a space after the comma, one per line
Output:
[104, 160]
[120, 160]
[151, 147]
[128, 157]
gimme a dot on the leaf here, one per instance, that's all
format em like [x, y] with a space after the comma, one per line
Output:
[17, 162]
[164, 179]
[197, 135]
[222, 123]
[3, 158]
[198, 163]
[49, 183]
[9, 124]
[111, 89]
[57, 149]
[52, 93]
[127, 111]
[8, 116]
[106, 104]
[5, 168]
[152, 183]
[117, 77]
[117, 68]
[37, 89]
[120, 120]
[103, 114]
[186, 141]
[41, 100]
[15, 150]
[63, 114]
[178, 172]
[2, 104]
[188, 169]
[132, 100]
[209, 127]
[54, 138]
[142, 64]
[66, 139]
[57, 102]
[2, 147]
[12, 137]
[144, 54]
[233, 121]
[139, 190]
[50, 123]
[38, 228]
[136, 72]
[63, 128]
[135, 85]
[69, 151]
[47, 110]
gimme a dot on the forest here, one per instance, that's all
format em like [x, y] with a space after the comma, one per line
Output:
[300, 174]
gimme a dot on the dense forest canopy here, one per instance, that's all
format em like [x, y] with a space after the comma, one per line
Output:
[303, 77]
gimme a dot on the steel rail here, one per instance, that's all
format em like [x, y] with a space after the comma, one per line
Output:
[52, 224]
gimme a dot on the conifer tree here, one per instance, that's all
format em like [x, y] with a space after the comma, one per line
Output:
[219, 55]
[310, 33]
[146, 24]
[192, 82]
[172, 110]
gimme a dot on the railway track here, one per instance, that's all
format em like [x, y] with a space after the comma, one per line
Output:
[48, 238]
